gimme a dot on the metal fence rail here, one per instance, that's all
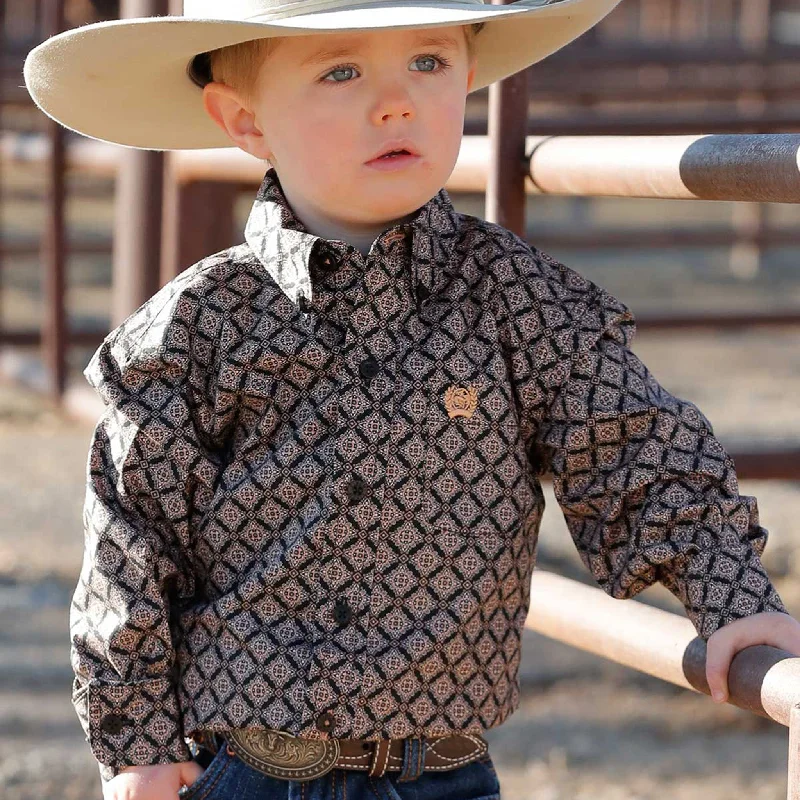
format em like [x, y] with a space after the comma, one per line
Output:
[761, 679]
[205, 183]
[729, 46]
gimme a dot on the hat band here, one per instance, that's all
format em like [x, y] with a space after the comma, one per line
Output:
[243, 10]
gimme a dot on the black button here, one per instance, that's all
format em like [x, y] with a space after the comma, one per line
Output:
[423, 292]
[327, 258]
[304, 303]
[356, 490]
[325, 721]
[342, 612]
[113, 724]
[369, 368]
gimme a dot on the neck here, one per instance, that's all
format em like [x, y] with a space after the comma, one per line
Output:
[359, 236]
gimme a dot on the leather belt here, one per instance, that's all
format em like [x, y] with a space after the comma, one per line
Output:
[283, 755]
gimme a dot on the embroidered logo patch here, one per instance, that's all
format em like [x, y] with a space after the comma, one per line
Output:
[460, 401]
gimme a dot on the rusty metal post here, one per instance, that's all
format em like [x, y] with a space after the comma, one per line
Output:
[54, 332]
[507, 126]
[655, 18]
[198, 217]
[138, 209]
[687, 20]
[614, 29]
[198, 220]
[748, 219]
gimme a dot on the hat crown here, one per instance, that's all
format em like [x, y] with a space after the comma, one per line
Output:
[261, 9]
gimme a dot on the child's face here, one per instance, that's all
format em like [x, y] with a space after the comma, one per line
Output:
[319, 118]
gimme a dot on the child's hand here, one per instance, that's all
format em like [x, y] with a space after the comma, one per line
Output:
[157, 782]
[769, 627]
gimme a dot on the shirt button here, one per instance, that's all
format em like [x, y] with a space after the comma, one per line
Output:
[327, 259]
[325, 721]
[356, 490]
[369, 368]
[113, 724]
[342, 612]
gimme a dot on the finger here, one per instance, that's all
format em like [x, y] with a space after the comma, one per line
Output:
[719, 654]
[190, 772]
[784, 632]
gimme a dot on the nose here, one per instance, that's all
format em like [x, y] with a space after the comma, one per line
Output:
[392, 101]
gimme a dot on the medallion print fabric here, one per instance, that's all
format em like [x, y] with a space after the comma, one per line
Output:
[313, 498]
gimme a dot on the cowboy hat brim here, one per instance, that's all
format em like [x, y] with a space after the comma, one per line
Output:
[126, 81]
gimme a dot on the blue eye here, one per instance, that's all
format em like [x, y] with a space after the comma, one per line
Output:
[428, 58]
[344, 68]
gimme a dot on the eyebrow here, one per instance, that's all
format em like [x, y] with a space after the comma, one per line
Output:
[321, 56]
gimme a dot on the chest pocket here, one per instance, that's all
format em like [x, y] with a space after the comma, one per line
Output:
[472, 441]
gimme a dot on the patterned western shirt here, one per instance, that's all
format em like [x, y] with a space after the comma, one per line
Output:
[313, 498]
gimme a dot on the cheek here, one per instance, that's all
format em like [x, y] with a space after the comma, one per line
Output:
[446, 103]
[319, 129]
[447, 120]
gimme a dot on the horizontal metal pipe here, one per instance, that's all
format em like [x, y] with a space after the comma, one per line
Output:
[636, 54]
[600, 122]
[600, 89]
[667, 94]
[91, 337]
[761, 679]
[634, 239]
[545, 238]
[759, 465]
[751, 167]
[655, 238]
[725, 321]
[85, 245]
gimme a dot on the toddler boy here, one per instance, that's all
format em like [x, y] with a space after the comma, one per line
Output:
[313, 501]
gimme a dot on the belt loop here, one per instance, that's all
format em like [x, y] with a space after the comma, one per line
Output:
[413, 759]
[380, 757]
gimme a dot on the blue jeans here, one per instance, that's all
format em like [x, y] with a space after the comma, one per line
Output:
[229, 778]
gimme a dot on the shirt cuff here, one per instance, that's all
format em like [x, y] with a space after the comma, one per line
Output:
[721, 585]
[135, 724]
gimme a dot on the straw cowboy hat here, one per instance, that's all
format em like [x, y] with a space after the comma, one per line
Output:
[128, 81]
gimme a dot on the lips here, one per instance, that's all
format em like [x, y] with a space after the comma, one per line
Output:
[396, 147]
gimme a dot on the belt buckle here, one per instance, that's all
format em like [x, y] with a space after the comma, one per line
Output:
[283, 755]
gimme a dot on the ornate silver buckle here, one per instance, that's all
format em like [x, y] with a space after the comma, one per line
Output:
[282, 755]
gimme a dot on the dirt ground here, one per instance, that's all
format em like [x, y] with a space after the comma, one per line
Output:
[586, 728]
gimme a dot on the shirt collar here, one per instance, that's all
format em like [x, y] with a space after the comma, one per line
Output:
[285, 247]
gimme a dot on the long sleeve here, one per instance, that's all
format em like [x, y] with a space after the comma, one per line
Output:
[647, 491]
[151, 466]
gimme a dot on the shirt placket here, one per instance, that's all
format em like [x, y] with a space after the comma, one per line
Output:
[348, 549]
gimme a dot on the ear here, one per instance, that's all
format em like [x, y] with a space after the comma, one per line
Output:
[225, 106]
[471, 74]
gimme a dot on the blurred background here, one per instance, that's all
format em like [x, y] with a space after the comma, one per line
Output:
[586, 727]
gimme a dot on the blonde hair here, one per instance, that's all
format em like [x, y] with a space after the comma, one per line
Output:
[237, 65]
